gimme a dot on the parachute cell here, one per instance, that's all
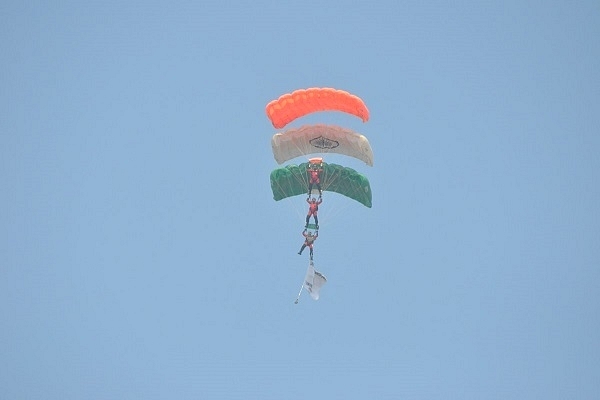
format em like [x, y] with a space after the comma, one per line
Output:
[291, 180]
[311, 139]
[305, 101]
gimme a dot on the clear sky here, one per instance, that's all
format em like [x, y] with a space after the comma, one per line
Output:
[143, 257]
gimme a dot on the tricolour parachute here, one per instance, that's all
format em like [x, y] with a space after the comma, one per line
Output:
[305, 101]
[311, 139]
[292, 180]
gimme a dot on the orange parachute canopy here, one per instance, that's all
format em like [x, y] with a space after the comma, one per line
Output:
[305, 101]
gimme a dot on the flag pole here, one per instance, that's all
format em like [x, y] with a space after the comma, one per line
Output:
[311, 264]
[300, 292]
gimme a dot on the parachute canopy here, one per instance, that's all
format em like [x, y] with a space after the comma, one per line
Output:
[311, 139]
[292, 180]
[305, 101]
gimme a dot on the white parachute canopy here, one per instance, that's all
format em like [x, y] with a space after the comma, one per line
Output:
[320, 138]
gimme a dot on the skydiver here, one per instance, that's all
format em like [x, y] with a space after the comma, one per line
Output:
[313, 207]
[314, 171]
[308, 241]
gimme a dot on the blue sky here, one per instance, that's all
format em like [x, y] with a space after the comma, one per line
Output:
[142, 255]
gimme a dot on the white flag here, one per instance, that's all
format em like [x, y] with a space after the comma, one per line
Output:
[314, 281]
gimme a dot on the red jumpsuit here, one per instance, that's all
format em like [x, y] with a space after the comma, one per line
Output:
[314, 176]
[314, 179]
[308, 241]
[313, 207]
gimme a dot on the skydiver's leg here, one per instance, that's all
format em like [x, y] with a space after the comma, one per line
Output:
[302, 249]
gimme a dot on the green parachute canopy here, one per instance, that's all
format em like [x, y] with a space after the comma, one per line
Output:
[292, 180]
